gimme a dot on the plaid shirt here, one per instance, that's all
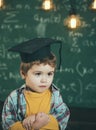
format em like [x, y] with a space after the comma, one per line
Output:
[14, 108]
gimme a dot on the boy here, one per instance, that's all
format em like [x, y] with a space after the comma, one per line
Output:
[36, 105]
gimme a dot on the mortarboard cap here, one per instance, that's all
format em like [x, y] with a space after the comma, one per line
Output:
[34, 49]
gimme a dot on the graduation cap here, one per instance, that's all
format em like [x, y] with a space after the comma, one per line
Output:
[35, 49]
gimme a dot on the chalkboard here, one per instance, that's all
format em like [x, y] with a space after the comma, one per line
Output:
[23, 19]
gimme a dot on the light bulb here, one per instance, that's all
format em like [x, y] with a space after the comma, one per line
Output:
[1, 3]
[94, 5]
[47, 5]
[72, 21]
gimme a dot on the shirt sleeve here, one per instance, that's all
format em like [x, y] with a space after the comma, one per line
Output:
[52, 125]
[9, 112]
[17, 126]
[61, 111]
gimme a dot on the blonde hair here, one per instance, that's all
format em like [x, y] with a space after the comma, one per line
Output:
[24, 67]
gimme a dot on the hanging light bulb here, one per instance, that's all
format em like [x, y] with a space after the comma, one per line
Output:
[93, 5]
[47, 5]
[1, 3]
[72, 21]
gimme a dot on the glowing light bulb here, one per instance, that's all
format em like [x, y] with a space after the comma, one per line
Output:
[1, 3]
[47, 5]
[94, 5]
[73, 22]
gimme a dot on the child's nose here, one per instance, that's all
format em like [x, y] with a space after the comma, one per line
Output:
[44, 79]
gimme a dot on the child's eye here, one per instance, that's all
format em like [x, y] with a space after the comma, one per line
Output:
[50, 74]
[38, 74]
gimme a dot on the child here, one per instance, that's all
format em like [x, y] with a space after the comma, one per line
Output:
[36, 105]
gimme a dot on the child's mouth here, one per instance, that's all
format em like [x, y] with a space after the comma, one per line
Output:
[43, 86]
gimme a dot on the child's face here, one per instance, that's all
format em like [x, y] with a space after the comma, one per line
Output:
[40, 77]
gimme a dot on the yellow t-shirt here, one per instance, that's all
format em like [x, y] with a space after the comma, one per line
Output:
[38, 102]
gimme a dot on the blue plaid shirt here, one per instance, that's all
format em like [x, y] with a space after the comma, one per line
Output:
[14, 108]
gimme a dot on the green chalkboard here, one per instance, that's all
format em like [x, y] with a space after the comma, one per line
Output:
[23, 19]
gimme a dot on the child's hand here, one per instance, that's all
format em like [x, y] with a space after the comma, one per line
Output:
[41, 120]
[28, 122]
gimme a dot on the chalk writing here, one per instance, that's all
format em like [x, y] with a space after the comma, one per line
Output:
[14, 76]
[51, 19]
[80, 91]
[11, 27]
[19, 6]
[92, 32]
[3, 66]
[89, 43]
[11, 56]
[11, 17]
[75, 34]
[75, 47]
[94, 19]
[3, 76]
[2, 51]
[26, 6]
[91, 86]
[84, 24]
[82, 70]
[10, 76]
[79, 68]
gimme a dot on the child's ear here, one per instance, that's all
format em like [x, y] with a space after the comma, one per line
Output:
[22, 74]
